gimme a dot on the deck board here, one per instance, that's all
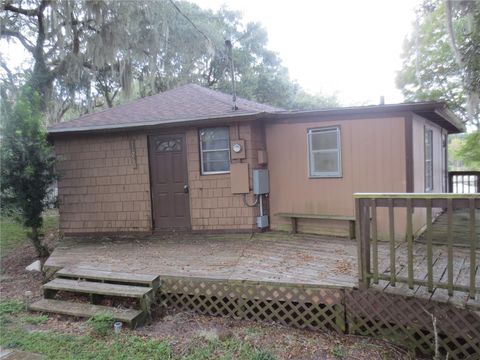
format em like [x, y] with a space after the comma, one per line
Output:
[270, 257]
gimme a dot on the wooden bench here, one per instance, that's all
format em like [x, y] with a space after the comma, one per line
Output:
[294, 217]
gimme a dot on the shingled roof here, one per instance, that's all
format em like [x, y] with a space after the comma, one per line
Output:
[192, 103]
[182, 104]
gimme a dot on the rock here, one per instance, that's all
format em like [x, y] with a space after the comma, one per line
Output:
[28, 294]
[35, 266]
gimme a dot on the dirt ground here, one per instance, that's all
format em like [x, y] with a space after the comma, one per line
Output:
[183, 329]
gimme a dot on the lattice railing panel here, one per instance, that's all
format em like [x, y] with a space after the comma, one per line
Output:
[407, 321]
[302, 307]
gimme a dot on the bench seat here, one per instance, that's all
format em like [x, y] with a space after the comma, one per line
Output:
[295, 216]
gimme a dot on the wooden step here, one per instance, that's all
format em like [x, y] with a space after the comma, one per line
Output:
[131, 317]
[76, 272]
[97, 288]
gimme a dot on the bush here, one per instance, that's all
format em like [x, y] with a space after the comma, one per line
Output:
[101, 323]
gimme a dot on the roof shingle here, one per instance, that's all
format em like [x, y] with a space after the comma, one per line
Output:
[188, 102]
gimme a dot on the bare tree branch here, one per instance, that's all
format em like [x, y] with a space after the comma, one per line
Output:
[26, 12]
[23, 40]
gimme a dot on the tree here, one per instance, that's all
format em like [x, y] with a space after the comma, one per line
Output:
[441, 59]
[88, 54]
[27, 171]
[469, 151]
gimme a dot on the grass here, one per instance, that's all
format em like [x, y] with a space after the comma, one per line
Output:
[11, 307]
[231, 348]
[13, 233]
[56, 345]
[62, 346]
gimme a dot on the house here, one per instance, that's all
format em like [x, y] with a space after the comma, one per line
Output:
[184, 160]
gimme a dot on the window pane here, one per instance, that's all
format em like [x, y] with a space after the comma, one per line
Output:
[324, 140]
[214, 138]
[325, 162]
[216, 161]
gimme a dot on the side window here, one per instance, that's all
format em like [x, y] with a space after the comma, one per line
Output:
[324, 152]
[428, 160]
[215, 150]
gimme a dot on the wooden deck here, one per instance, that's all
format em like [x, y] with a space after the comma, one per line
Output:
[264, 257]
[460, 230]
[270, 257]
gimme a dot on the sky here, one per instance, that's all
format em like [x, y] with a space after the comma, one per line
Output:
[348, 47]
[351, 48]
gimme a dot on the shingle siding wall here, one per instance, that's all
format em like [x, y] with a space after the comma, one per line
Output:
[213, 206]
[104, 184]
[103, 190]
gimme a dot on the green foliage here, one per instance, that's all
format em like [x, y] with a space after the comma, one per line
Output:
[61, 346]
[338, 351]
[12, 232]
[101, 324]
[27, 159]
[469, 151]
[11, 307]
[36, 320]
[131, 49]
[232, 348]
[431, 70]
[263, 355]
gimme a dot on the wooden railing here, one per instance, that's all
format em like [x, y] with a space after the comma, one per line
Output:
[367, 223]
[464, 182]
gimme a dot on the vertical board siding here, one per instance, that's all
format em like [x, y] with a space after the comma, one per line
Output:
[373, 159]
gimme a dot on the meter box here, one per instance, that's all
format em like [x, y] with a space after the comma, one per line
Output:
[260, 181]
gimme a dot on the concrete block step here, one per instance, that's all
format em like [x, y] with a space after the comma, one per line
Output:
[98, 288]
[77, 272]
[131, 317]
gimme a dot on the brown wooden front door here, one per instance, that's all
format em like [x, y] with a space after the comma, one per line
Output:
[169, 183]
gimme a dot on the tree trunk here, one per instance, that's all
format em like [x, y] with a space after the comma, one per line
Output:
[40, 249]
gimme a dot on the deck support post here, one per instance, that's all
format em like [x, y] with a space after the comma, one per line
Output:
[362, 211]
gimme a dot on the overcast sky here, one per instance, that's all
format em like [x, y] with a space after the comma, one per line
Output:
[351, 47]
[348, 47]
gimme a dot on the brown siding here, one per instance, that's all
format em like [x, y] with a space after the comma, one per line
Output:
[419, 124]
[373, 160]
[213, 206]
[102, 188]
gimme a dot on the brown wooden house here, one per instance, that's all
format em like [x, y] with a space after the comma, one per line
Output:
[184, 160]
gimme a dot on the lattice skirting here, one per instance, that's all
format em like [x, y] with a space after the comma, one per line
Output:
[398, 319]
[408, 322]
[305, 307]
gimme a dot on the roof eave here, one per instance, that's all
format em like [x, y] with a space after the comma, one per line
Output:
[52, 132]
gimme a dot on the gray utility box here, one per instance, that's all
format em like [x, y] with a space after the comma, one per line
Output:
[260, 181]
[262, 221]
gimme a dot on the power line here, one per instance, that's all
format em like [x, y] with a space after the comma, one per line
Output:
[191, 22]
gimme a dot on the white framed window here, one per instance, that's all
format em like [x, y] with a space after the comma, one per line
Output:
[324, 152]
[428, 160]
[214, 150]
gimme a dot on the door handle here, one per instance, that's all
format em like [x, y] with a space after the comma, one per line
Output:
[185, 189]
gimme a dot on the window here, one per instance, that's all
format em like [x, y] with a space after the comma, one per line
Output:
[324, 152]
[214, 150]
[428, 160]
